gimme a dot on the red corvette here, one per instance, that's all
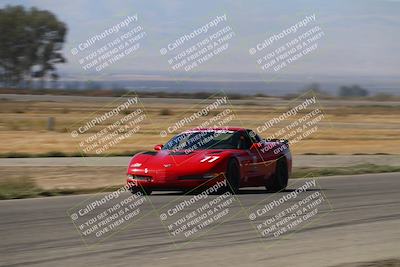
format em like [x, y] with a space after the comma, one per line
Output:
[210, 155]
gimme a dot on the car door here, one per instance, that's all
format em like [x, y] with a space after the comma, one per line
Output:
[264, 163]
[255, 168]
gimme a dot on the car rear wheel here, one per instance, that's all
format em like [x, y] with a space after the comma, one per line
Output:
[233, 176]
[280, 179]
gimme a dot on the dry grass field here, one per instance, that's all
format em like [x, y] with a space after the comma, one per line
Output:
[348, 127]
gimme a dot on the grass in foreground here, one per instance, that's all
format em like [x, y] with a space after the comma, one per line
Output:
[25, 188]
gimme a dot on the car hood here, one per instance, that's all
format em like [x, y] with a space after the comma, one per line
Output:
[173, 159]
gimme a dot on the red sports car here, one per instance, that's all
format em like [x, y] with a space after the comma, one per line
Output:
[197, 157]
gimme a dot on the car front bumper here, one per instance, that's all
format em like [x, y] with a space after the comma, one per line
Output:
[159, 181]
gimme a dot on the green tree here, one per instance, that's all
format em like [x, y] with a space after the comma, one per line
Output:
[31, 41]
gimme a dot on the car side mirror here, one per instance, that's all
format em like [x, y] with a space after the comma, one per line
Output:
[158, 147]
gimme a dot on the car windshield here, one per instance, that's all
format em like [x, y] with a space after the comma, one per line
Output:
[198, 140]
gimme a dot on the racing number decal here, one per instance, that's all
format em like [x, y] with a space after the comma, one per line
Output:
[210, 159]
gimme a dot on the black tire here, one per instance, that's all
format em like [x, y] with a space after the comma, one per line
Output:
[233, 176]
[145, 191]
[280, 179]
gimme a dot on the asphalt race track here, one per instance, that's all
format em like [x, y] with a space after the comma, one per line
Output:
[362, 226]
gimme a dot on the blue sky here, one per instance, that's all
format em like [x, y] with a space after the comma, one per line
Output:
[361, 36]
